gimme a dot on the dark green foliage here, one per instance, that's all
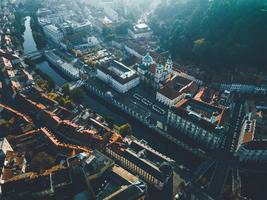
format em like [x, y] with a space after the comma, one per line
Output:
[122, 29]
[214, 33]
[125, 130]
[37, 32]
[50, 82]
[66, 89]
[108, 33]
[77, 95]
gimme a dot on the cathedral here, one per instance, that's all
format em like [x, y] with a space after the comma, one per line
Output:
[154, 73]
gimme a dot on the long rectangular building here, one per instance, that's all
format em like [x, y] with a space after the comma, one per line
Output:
[141, 159]
[198, 120]
[251, 146]
[120, 77]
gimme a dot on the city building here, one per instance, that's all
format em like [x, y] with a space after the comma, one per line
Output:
[66, 68]
[200, 121]
[98, 57]
[214, 97]
[43, 139]
[54, 33]
[120, 77]
[128, 186]
[13, 121]
[104, 179]
[141, 159]
[74, 32]
[176, 89]
[5, 146]
[15, 78]
[135, 49]
[14, 165]
[155, 74]
[140, 30]
[32, 185]
[251, 147]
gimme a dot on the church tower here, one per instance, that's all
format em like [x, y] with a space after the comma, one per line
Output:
[169, 64]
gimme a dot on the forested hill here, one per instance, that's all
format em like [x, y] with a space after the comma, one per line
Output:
[223, 33]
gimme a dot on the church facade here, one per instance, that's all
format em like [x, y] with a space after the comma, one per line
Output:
[153, 73]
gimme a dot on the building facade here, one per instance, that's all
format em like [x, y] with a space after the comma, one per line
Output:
[52, 32]
[140, 31]
[175, 90]
[154, 74]
[118, 76]
[197, 120]
[250, 148]
[144, 161]
[5, 146]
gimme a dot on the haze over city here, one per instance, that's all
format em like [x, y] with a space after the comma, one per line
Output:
[140, 100]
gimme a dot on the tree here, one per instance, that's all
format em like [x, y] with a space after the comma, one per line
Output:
[200, 48]
[77, 95]
[122, 29]
[65, 89]
[65, 102]
[218, 33]
[107, 33]
[125, 130]
[53, 96]
[42, 84]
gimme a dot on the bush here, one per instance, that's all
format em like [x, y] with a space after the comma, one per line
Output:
[77, 95]
[125, 130]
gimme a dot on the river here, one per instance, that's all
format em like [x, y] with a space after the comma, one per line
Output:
[28, 45]
[140, 131]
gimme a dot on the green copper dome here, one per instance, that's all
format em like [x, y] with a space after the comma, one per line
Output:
[148, 60]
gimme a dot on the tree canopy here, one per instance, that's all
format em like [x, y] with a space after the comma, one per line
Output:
[214, 32]
[125, 129]
[77, 95]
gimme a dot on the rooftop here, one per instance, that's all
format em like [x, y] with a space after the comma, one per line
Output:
[117, 183]
[52, 28]
[177, 86]
[14, 165]
[5, 146]
[119, 72]
[141, 28]
[207, 116]
[142, 155]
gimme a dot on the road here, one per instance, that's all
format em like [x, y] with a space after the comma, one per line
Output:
[138, 105]
[225, 158]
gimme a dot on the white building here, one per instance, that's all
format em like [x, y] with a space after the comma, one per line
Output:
[52, 32]
[118, 76]
[140, 31]
[66, 68]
